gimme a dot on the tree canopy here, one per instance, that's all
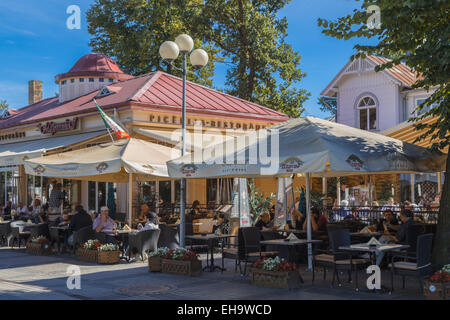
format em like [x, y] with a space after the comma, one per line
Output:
[4, 104]
[246, 35]
[417, 33]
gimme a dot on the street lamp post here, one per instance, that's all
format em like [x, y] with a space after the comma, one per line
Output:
[169, 51]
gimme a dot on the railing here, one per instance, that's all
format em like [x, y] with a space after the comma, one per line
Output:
[371, 215]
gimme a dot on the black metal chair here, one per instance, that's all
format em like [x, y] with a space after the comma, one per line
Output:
[194, 245]
[418, 266]
[168, 237]
[252, 246]
[337, 259]
[143, 242]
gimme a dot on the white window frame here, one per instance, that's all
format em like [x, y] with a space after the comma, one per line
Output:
[367, 107]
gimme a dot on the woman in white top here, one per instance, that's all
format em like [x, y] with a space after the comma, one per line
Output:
[36, 205]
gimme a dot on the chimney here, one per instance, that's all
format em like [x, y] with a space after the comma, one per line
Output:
[34, 91]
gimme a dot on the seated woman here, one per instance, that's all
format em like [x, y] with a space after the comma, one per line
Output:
[152, 222]
[220, 224]
[196, 212]
[318, 221]
[297, 219]
[143, 215]
[264, 222]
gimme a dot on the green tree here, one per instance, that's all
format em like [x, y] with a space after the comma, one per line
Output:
[263, 67]
[417, 33]
[328, 104]
[131, 31]
[4, 104]
[246, 35]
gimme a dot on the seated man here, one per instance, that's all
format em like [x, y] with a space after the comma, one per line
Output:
[152, 222]
[103, 223]
[23, 210]
[78, 221]
[407, 218]
[62, 221]
[389, 224]
[318, 221]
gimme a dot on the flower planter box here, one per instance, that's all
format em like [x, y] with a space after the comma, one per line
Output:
[40, 249]
[187, 268]
[154, 264]
[87, 255]
[275, 279]
[108, 257]
[436, 290]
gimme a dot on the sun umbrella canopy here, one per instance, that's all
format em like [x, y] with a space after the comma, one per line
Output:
[302, 145]
[110, 162]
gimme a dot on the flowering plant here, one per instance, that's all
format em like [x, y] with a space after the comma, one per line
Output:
[39, 239]
[108, 247]
[181, 254]
[442, 275]
[274, 264]
[91, 244]
[159, 253]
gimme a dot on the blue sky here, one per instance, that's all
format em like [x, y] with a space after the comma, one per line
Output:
[35, 44]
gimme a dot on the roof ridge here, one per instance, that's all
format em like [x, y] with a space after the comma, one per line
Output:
[140, 91]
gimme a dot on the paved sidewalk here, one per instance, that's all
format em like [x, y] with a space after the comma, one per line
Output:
[29, 277]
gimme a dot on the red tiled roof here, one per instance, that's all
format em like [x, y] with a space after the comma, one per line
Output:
[401, 72]
[157, 90]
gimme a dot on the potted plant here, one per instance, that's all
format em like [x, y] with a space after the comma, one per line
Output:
[155, 258]
[39, 245]
[108, 254]
[88, 250]
[438, 285]
[258, 202]
[274, 273]
[181, 261]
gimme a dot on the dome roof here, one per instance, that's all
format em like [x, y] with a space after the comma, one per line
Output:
[95, 65]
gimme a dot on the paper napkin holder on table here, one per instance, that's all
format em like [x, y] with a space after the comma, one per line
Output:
[126, 228]
[291, 237]
[373, 242]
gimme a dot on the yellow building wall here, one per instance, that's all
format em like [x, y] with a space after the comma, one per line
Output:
[196, 190]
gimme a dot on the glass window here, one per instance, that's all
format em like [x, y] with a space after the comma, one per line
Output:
[91, 195]
[72, 80]
[64, 82]
[367, 114]
[148, 190]
[177, 191]
[81, 79]
[165, 191]
[110, 80]
[91, 79]
[363, 119]
[373, 118]
[211, 190]
[101, 80]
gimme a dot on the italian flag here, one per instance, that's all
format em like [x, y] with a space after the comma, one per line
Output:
[112, 125]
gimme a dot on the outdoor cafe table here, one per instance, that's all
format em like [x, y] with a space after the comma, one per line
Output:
[210, 239]
[372, 251]
[291, 245]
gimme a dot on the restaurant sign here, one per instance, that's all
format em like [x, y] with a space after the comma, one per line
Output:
[52, 127]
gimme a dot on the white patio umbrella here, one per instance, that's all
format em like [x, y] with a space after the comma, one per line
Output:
[306, 145]
[118, 161]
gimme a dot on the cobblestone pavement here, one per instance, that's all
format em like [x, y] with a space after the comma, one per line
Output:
[29, 277]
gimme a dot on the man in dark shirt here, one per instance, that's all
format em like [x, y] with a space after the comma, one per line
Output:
[389, 224]
[407, 218]
[80, 220]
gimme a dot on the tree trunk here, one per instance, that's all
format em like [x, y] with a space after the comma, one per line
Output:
[441, 251]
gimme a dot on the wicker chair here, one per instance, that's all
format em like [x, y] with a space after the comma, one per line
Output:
[418, 266]
[143, 241]
[5, 232]
[252, 246]
[337, 259]
[82, 235]
[18, 235]
[168, 237]
[40, 230]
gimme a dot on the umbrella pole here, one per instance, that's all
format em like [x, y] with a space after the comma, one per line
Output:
[308, 219]
[130, 198]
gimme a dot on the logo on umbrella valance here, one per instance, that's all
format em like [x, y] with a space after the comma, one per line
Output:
[188, 169]
[102, 167]
[290, 164]
[39, 169]
[355, 162]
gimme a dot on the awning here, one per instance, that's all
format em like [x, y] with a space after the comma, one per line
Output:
[108, 162]
[15, 153]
